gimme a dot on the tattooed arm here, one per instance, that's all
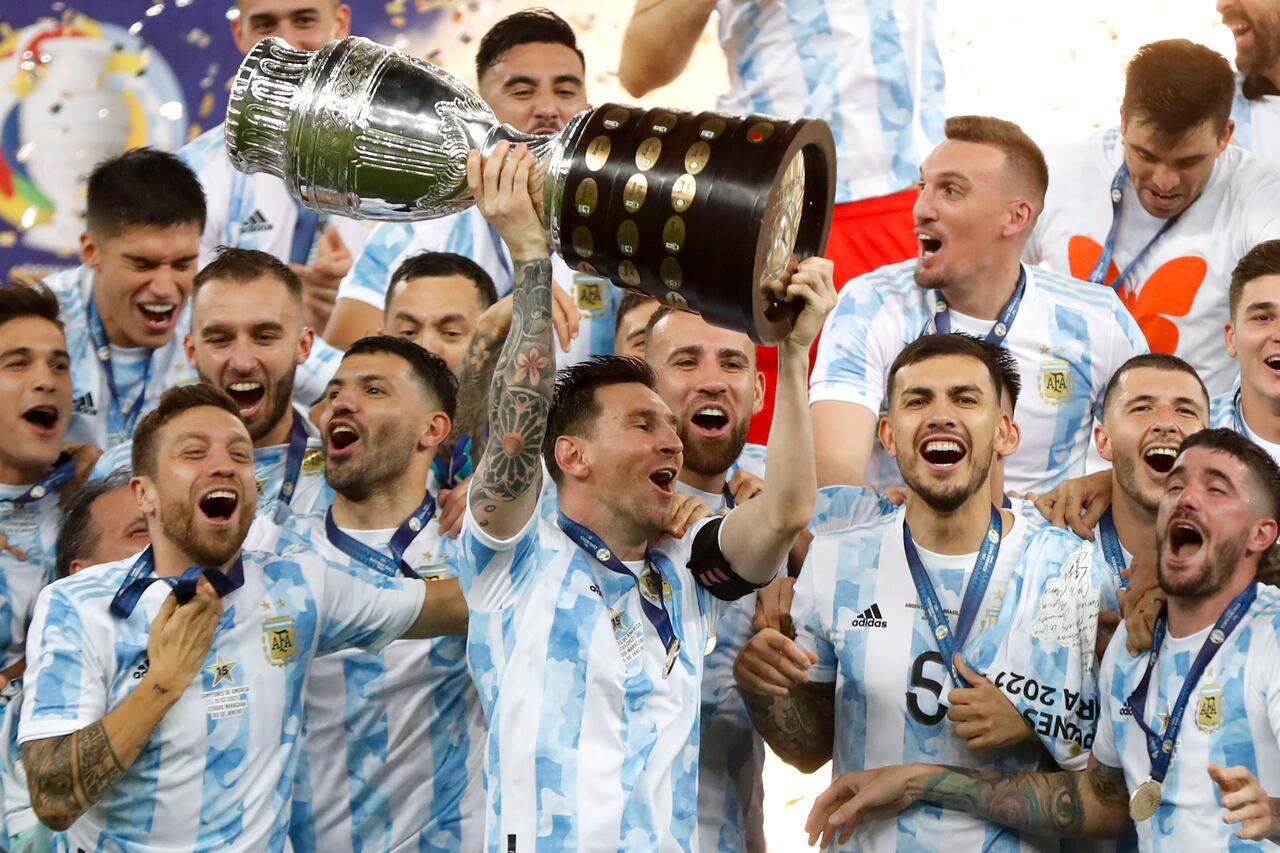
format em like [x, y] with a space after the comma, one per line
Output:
[800, 727]
[504, 489]
[67, 774]
[1092, 802]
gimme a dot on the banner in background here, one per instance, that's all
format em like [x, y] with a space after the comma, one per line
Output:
[81, 81]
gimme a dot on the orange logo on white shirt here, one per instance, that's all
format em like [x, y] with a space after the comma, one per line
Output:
[1167, 292]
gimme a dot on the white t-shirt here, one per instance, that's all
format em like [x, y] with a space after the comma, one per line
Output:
[218, 771]
[870, 70]
[1178, 293]
[1068, 341]
[1232, 718]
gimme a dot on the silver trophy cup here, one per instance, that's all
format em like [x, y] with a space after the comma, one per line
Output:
[702, 210]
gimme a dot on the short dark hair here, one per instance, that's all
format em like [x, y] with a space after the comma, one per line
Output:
[1001, 366]
[1020, 151]
[78, 534]
[20, 300]
[574, 408]
[435, 377]
[529, 26]
[439, 264]
[630, 301]
[143, 187]
[1262, 260]
[242, 266]
[173, 402]
[1260, 464]
[1178, 85]
[1155, 361]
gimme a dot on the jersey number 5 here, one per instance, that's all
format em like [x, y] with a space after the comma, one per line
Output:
[922, 682]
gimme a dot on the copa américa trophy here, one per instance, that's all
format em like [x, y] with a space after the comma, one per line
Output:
[702, 210]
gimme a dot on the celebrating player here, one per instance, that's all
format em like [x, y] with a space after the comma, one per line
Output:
[1253, 339]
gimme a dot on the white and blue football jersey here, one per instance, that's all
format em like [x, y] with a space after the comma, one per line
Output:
[19, 816]
[1226, 412]
[469, 235]
[394, 739]
[218, 771]
[589, 746]
[1232, 719]
[256, 211]
[1257, 124]
[1068, 340]
[310, 492]
[857, 608]
[31, 526]
[871, 70]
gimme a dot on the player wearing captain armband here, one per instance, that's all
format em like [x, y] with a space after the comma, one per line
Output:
[587, 632]
[393, 738]
[164, 692]
[1188, 740]
[980, 194]
[950, 631]
[248, 338]
[1161, 208]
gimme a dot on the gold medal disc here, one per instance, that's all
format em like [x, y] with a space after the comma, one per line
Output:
[1145, 801]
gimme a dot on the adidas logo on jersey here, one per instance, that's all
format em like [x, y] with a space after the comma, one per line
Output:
[255, 223]
[870, 618]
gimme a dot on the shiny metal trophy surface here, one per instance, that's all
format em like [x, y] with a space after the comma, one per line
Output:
[702, 211]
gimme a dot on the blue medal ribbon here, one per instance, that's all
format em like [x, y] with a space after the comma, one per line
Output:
[1099, 274]
[102, 350]
[1111, 548]
[950, 642]
[729, 502]
[1237, 415]
[1160, 746]
[184, 586]
[63, 472]
[293, 459]
[942, 312]
[400, 541]
[656, 613]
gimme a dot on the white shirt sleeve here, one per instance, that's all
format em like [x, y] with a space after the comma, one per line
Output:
[66, 682]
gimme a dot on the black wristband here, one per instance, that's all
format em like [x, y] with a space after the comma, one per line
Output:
[712, 570]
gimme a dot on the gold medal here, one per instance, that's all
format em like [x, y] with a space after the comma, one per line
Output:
[1145, 801]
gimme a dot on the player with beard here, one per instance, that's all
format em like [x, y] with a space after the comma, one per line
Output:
[396, 763]
[248, 338]
[587, 633]
[707, 376]
[532, 74]
[1256, 111]
[166, 715]
[981, 192]
[1188, 740]
[876, 649]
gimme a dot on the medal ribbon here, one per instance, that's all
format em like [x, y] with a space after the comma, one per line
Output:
[950, 642]
[102, 349]
[1111, 549]
[942, 312]
[140, 577]
[293, 460]
[400, 540]
[1099, 274]
[655, 613]
[1160, 746]
[64, 470]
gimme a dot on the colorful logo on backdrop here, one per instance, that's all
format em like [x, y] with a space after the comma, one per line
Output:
[72, 92]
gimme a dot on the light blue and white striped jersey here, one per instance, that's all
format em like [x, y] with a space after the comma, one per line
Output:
[310, 493]
[731, 761]
[589, 747]
[1232, 719]
[469, 235]
[870, 68]
[1225, 412]
[1257, 124]
[254, 211]
[19, 816]
[94, 420]
[218, 771]
[857, 609]
[31, 527]
[1068, 340]
[394, 740]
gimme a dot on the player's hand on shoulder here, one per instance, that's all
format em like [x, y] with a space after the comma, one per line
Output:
[1076, 504]
[745, 486]
[770, 664]
[686, 510]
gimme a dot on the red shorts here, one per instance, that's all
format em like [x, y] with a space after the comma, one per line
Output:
[865, 235]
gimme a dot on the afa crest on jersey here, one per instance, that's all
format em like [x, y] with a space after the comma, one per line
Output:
[1209, 709]
[279, 640]
[1054, 381]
